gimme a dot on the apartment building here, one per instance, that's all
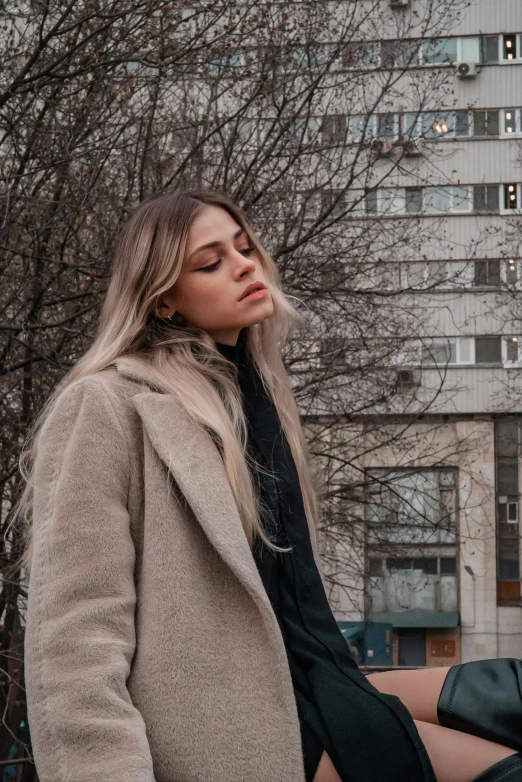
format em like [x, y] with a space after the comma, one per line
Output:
[442, 541]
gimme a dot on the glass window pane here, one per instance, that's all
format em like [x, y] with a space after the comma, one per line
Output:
[413, 199]
[462, 123]
[428, 122]
[448, 565]
[492, 123]
[479, 198]
[442, 50]
[464, 350]
[460, 199]
[488, 350]
[437, 200]
[408, 54]
[508, 559]
[368, 55]
[415, 272]
[388, 53]
[510, 125]
[481, 272]
[512, 349]
[470, 51]
[491, 48]
[509, 48]
[375, 567]
[494, 272]
[510, 196]
[386, 126]
[436, 272]
[371, 201]
[479, 122]
[507, 437]
[492, 201]
[412, 125]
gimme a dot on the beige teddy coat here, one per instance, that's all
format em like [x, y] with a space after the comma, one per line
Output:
[152, 650]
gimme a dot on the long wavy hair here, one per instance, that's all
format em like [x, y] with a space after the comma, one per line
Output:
[184, 361]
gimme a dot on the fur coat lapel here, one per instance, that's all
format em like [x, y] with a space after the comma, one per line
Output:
[193, 460]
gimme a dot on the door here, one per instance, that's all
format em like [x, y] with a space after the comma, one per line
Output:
[412, 646]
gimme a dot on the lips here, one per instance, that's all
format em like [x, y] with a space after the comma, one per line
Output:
[254, 286]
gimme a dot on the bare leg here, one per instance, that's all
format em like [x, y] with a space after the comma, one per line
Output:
[326, 770]
[419, 690]
[455, 756]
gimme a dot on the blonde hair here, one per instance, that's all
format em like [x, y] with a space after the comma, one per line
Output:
[184, 361]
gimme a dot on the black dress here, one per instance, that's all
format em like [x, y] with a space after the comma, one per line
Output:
[370, 736]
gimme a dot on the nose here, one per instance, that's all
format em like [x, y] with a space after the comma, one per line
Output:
[245, 264]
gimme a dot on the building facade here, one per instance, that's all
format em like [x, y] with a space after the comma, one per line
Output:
[441, 540]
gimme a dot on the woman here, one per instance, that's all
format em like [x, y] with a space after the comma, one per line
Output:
[177, 625]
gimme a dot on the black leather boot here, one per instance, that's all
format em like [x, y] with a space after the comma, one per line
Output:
[507, 770]
[484, 698]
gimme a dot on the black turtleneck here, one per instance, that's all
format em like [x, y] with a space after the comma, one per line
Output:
[338, 708]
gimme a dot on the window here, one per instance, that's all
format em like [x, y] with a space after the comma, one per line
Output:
[334, 199]
[511, 350]
[510, 47]
[386, 126]
[371, 202]
[490, 48]
[413, 200]
[508, 446]
[487, 273]
[486, 123]
[362, 126]
[511, 272]
[485, 198]
[462, 123]
[443, 50]
[399, 54]
[511, 197]
[448, 350]
[511, 122]
[412, 507]
[436, 125]
[333, 129]
[443, 200]
[488, 350]
[361, 55]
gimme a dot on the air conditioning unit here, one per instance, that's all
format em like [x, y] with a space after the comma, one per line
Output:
[411, 148]
[408, 378]
[399, 3]
[467, 70]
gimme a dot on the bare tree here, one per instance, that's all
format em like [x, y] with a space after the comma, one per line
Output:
[102, 104]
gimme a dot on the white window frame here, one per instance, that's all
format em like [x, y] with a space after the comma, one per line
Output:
[417, 131]
[459, 343]
[460, 55]
[503, 209]
[507, 362]
[518, 123]
[425, 64]
[450, 189]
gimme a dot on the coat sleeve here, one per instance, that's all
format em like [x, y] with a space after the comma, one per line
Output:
[80, 629]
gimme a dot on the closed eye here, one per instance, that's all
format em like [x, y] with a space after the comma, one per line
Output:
[247, 251]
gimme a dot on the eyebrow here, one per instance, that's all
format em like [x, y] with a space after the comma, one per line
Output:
[214, 244]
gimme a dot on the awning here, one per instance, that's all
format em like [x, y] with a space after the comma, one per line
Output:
[419, 618]
[351, 632]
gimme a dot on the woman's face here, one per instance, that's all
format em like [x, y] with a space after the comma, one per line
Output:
[207, 293]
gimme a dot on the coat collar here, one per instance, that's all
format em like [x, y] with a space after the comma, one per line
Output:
[193, 459]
